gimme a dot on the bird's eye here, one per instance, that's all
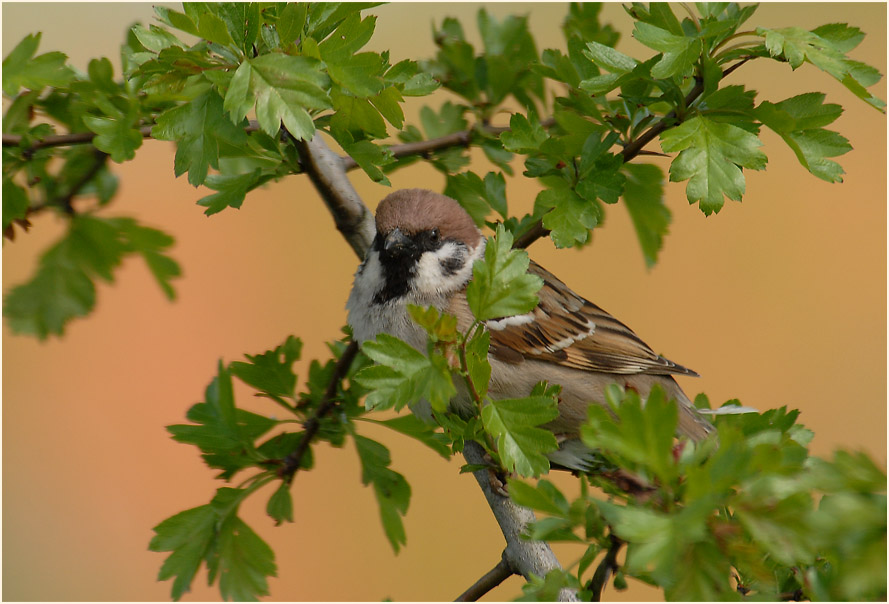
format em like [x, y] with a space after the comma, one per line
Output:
[434, 236]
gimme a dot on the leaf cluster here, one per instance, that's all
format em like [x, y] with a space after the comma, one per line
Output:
[235, 441]
[578, 116]
[193, 78]
[606, 106]
[753, 517]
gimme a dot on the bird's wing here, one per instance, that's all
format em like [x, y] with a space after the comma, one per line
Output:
[568, 330]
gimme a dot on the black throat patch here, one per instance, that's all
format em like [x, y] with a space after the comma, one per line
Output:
[398, 271]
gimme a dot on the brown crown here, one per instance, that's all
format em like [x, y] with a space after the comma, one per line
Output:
[417, 210]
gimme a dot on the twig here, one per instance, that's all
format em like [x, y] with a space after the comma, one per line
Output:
[606, 568]
[65, 201]
[526, 557]
[82, 138]
[292, 462]
[489, 581]
[456, 139]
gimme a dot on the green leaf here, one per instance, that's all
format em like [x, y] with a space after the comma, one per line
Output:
[524, 135]
[176, 20]
[609, 58]
[360, 74]
[242, 560]
[356, 118]
[62, 287]
[711, 157]
[404, 375]
[478, 196]
[283, 88]
[115, 136]
[680, 52]
[59, 291]
[231, 190]
[521, 443]
[544, 497]
[189, 535]
[280, 505]
[448, 120]
[21, 69]
[15, 202]
[242, 21]
[220, 430]
[290, 23]
[797, 120]
[644, 199]
[150, 244]
[642, 435]
[272, 371]
[599, 172]
[441, 327]
[370, 157]
[388, 102]
[501, 285]
[156, 39]
[477, 364]
[570, 218]
[391, 489]
[349, 37]
[214, 29]
[796, 46]
[199, 127]
[412, 426]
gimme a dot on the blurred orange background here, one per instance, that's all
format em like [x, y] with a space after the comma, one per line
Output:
[779, 300]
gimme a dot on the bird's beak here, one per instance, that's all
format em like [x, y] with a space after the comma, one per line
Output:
[396, 242]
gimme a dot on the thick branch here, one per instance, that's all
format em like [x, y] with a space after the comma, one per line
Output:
[327, 171]
[293, 461]
[489, 581]
[525, 557]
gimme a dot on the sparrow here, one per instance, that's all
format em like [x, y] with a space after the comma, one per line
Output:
[423, 254]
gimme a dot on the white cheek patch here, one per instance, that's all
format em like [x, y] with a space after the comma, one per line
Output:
[433, 278]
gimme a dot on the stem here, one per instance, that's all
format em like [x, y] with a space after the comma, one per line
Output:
[98, 164]
[694, 17]
[463, 138]
[734, 36]
[292, 462]
[464, 370]
[82, 138]
[734, 47]
[605, 569]
[489, 581]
